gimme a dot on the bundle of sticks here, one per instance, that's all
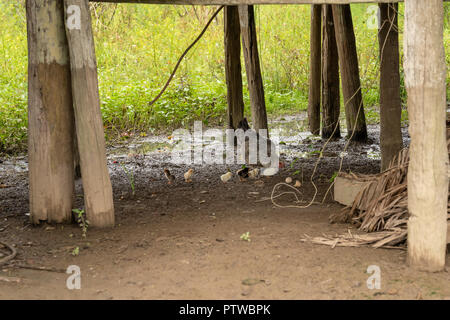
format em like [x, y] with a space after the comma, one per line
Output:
[380, 210]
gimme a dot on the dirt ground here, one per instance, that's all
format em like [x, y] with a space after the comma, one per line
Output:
[183, 241]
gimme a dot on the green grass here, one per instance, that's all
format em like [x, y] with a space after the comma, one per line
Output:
[138, 45]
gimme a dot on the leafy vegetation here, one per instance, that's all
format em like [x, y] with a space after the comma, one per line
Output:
[138, 45]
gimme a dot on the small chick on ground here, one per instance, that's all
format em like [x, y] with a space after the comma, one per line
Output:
[188, 175]
[170, 177]
[253, 174]
[297, 184]
[226, 177]
[288, 180]
[243, 173]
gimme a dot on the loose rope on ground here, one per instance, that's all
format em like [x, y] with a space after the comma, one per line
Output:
[10, 256]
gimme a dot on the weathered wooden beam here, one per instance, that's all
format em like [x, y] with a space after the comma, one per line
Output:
[315, 69]
[390, 103]
[50, 114]
[348, 64]
[89, 126]
[246, 2]
[252, 67]
[331, 102]
[425, 72]
[233, 70]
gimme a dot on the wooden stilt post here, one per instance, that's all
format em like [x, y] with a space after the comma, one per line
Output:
[252, 66]
[331, 103]
[91, 140]
[50, 114]
[390, 103]
[315, 69]
[425, 72]
[233, 71]
[348, 62]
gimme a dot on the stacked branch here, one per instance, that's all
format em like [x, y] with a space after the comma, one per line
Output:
[380, 209]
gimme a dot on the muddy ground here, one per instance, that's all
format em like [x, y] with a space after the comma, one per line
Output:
[183, 241]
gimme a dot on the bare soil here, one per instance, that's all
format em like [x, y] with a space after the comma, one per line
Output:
[183, 241]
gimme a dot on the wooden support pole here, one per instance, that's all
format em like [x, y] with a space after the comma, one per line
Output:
[425, 72]
[252, 66]
[315, 70]
[89, 126]
[331, 102]
[50, 114]
[233, 71]
[348, 62]
[390, 102]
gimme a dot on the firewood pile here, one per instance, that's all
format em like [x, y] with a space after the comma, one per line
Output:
[383, 222]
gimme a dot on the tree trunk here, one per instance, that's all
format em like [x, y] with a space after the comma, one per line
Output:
[252, 66]
[331, 103]
[233, 71]
[390, 103]
[425, 72]
[314, 70]
[91, 140]
[50, 114]
[348, 62]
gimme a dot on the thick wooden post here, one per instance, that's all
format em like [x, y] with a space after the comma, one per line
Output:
[425, 72]
[50, 114]
[390, 103]
[91, 140]
[233, 71]
[348, 62]
[252, 66]
[315, 69]
[331, 103]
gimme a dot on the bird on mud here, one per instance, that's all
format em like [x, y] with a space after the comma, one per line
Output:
[226, 177]
[271, 150]
[243, 173]
[253, 174]
[170, 177]
[188, 175]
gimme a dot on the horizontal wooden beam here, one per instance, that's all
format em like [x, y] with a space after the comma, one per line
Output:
[246, 2]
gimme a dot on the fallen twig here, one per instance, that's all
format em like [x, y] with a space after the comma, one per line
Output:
[10, 279]
[48, 269]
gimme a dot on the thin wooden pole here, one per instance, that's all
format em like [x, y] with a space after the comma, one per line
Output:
[233, 71]
[315, 70]
[390, 104]
[91, 140]
[331, 102]
[50, 114]
[348, 63]
[252, 66]
[425, 72]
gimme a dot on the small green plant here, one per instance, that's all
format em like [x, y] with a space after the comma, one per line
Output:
[130, 176]
[333, 176]
[75, 251]
[81, 220]
[245, 236]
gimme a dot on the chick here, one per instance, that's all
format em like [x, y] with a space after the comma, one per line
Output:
[170, 177]
[261, 140]
[226, 177]
[243, 173]
[253, 174]
[188, 175]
